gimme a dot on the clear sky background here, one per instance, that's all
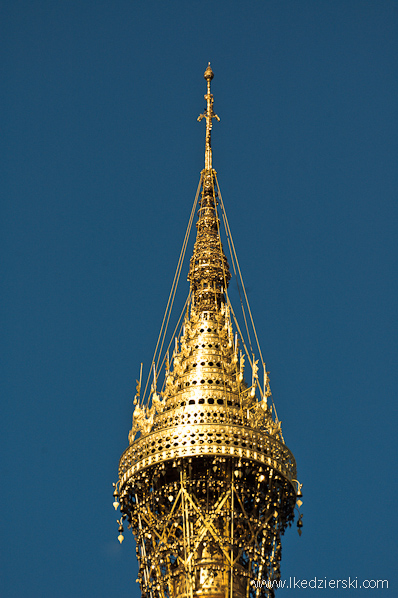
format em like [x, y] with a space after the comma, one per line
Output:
[100, 160]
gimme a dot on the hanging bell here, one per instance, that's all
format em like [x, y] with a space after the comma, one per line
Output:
[299, 525]
[121, 530]
[115, 496]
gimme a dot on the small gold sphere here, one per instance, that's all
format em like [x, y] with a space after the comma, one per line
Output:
[208, 73]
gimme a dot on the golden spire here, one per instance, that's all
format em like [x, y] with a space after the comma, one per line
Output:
[208, 485]
[208, 115]
[209, 271]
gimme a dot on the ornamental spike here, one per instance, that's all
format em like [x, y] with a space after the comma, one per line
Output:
[208, 115]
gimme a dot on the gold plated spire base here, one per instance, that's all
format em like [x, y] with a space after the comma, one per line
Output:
[208, 490]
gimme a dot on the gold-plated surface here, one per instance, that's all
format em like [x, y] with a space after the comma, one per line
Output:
[207, 484]
[208, 115]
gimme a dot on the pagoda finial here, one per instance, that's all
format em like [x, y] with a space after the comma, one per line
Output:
[207, 484]
[208, 115]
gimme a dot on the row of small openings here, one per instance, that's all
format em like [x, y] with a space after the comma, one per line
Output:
[210, 363]
[204, 382]
[208, 261]
[216, 346]
[210, 401]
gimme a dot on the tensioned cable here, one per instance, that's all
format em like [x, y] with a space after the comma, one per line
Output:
[240, 274]
[250, 355]
[173, 288]
[223, 269]
[213, 173]
[169, 306]
[237, 284]
[173, 335]
[238, 329]
[181, 261]
[229, 235]
[229, 240]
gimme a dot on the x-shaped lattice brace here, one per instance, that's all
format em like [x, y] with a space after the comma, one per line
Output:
[185, 505]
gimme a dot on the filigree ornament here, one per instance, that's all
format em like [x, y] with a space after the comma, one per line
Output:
[170, 387]
[255, 371]
[139, 417]
[241, 368]
[157, 403]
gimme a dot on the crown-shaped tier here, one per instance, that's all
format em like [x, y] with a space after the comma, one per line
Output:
[206, 384]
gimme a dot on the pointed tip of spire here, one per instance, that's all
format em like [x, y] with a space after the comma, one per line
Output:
[208, 73]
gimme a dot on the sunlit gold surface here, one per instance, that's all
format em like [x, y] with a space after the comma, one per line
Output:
[208, 115]
[207, 483]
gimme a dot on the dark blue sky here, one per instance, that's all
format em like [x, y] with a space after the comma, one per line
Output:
[100, 159]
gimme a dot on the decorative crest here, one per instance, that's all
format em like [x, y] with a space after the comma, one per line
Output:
[208, 115]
